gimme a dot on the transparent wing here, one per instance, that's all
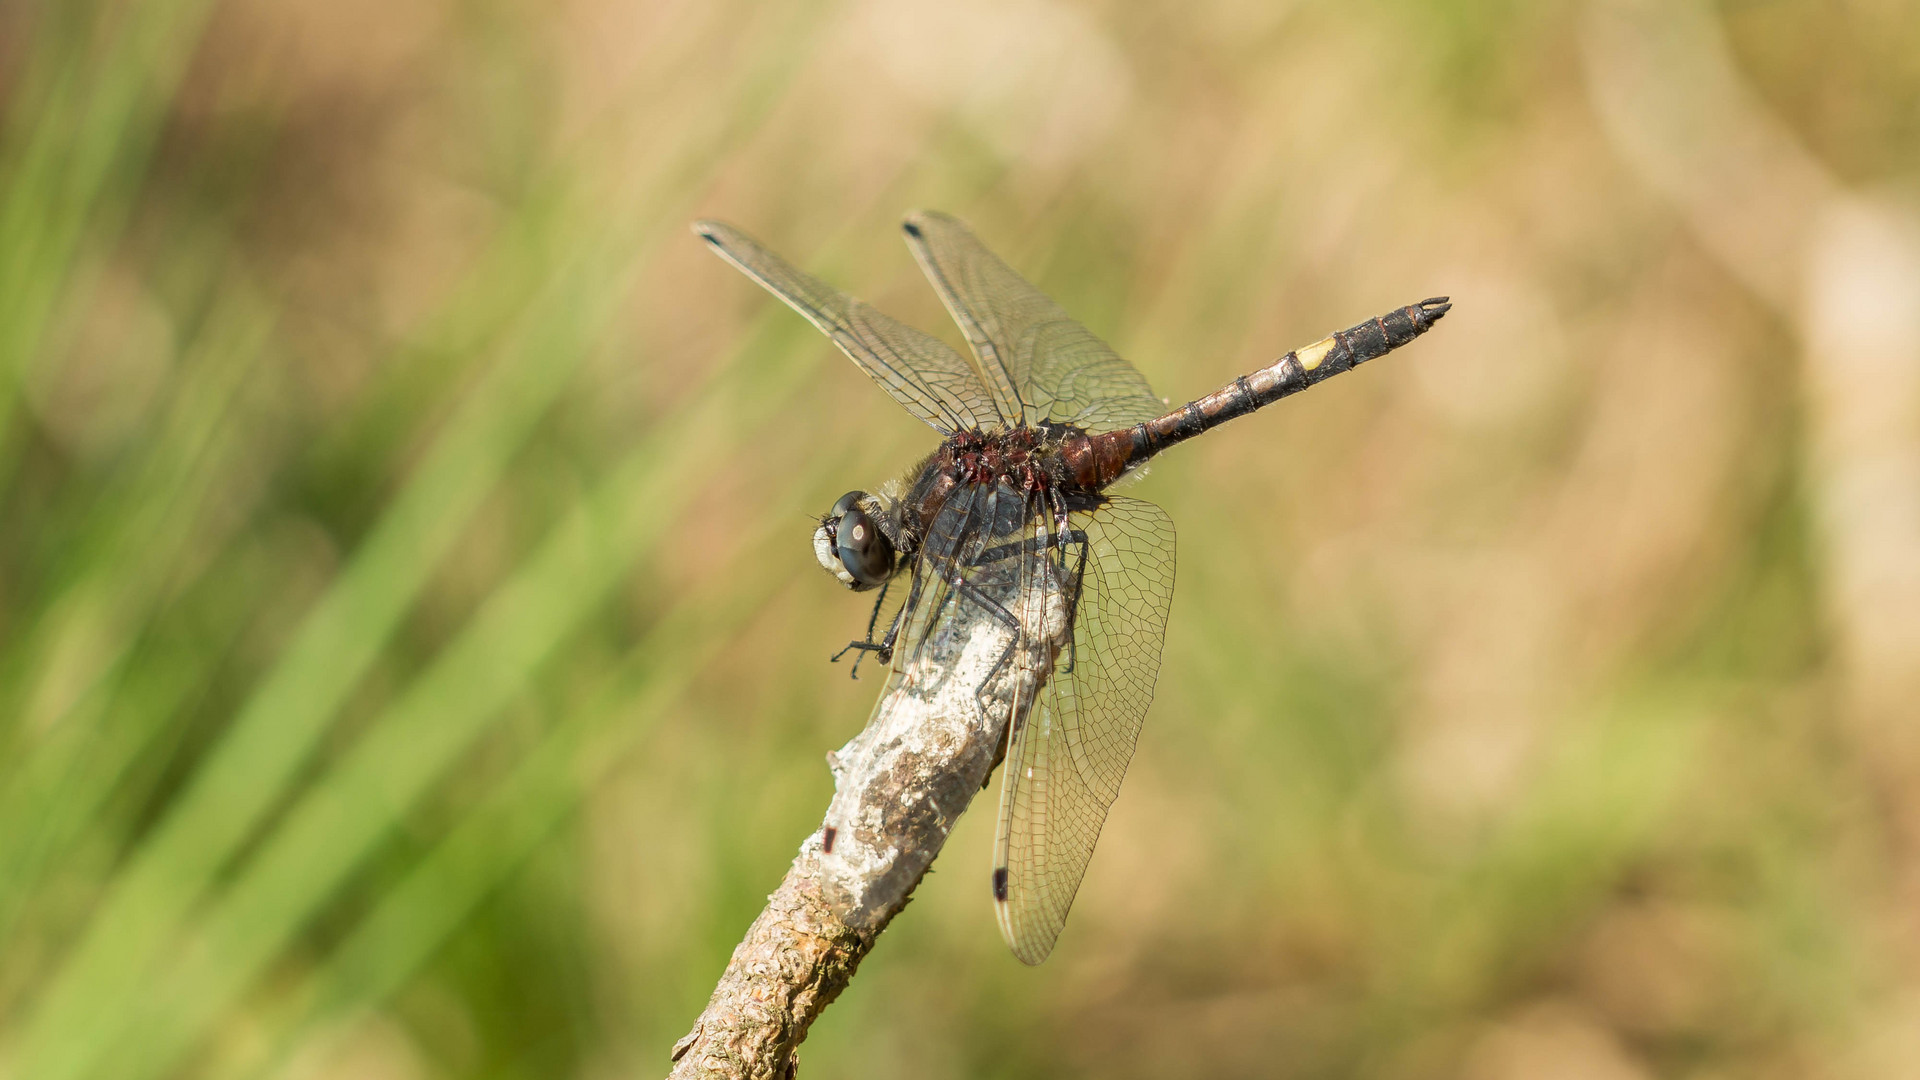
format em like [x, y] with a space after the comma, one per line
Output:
[922, 373]
[1065, 764]
[1037, 361]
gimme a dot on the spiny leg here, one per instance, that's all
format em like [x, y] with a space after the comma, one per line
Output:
[965, 588]
[867, 644]
[874, 618]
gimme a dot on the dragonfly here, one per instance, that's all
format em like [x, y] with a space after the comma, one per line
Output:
[1014, 513]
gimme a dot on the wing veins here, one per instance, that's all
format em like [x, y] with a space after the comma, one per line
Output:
[1063, 770]
[921, 372]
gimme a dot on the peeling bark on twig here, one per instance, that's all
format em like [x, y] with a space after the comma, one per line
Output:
[899, 786]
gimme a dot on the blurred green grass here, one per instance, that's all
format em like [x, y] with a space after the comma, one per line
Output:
[412, 663]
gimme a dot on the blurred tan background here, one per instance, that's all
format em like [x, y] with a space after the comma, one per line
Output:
[413, 665]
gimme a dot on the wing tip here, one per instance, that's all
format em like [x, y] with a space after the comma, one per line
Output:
[1027, 952]
[709, 230]
[1028, 948]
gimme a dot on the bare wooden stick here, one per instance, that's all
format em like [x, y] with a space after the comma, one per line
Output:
[899, 786]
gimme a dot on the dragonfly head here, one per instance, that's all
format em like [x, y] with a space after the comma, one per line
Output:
[850, 544]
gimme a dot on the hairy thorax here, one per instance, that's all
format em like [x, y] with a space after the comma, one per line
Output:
[1024, 460]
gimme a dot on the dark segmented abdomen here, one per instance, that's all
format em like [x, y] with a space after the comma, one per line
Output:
[1098, 460]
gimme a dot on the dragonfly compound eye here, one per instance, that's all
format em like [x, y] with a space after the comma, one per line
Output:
[864, 550]
[845, 503]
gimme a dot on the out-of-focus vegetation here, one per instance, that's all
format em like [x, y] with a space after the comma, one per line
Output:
[412, 663]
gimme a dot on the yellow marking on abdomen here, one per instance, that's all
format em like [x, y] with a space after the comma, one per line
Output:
[1311, 356]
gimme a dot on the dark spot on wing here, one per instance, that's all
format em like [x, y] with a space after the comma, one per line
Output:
[1000, 884]
[912, 229]
[826, 841]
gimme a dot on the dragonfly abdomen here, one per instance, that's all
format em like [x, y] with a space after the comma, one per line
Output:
[1105, 457]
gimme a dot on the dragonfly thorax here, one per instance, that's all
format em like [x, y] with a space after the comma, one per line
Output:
[1017, 457]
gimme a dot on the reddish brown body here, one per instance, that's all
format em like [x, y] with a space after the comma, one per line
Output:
[1028, 461]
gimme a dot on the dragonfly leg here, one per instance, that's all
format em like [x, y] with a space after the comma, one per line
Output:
[863, 648]
[965, 588]
[1076, 577]
[885, 645]
[877, 601]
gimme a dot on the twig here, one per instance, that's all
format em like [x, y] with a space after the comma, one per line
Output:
[898, 788]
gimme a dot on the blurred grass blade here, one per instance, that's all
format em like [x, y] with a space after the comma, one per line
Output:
[279, 726]
[408, 747]
[69, 753]
[79, 127]
[422, 911]
[101, 982]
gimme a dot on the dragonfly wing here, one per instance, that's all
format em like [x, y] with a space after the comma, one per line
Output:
[921, 372]
[1038, 362]
[1065, 763]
